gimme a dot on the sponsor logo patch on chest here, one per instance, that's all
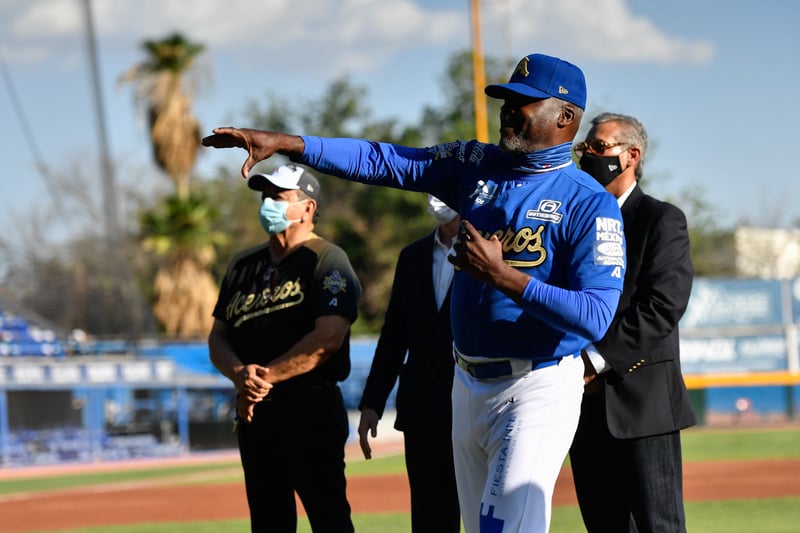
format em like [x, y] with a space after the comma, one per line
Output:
[547, 211]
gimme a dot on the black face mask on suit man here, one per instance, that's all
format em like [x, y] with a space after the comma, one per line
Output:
[604, 169]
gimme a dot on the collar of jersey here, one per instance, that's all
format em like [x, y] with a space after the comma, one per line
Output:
[546, 160]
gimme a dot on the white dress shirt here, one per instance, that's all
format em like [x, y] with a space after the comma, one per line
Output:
[442, 268]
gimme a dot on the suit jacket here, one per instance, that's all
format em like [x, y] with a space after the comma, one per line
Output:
[414, 325]
[644, 391]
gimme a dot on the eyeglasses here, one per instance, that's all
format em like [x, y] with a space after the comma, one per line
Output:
[595, 146]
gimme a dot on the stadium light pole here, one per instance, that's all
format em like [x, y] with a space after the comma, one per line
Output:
[116, 253]
[478, 74]
[106, 169]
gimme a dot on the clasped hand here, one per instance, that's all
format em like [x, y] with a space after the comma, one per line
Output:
[253, 387]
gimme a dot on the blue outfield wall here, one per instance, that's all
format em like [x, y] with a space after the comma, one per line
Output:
[166, 397]
[172, 401]
[192, 359]
[766, 399]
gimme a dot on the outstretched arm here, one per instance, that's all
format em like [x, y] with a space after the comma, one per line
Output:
[260, 145]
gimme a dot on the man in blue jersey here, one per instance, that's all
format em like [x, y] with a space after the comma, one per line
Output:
[540, 262]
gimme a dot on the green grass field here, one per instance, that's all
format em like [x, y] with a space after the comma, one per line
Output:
[751, 516]
[733, 516]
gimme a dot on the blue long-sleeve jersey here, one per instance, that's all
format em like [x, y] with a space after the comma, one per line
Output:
[558, 225]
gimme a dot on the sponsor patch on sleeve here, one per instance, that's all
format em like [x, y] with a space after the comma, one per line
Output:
[608, 241]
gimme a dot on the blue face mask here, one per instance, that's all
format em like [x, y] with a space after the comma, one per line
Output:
[272, 215]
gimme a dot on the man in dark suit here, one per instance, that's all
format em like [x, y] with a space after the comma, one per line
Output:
[417, 321]
[626, 455]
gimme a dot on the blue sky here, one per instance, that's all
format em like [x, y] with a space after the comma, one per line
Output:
[711, 81]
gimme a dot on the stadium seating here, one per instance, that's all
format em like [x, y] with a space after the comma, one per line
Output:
[18, 337]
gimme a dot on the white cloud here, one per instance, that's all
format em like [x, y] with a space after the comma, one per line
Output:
[46, 19]
[335, 36]
[348, 34]
[604, 30]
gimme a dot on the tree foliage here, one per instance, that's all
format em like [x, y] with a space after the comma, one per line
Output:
[63, 269]
[181, 231]
[178, 229]
[456, 120]
[713, 248]
[165, 83]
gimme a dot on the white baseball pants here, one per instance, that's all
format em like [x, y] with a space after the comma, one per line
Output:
[510, 438]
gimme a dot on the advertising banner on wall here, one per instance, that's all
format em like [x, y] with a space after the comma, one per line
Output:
[757, 353]
[736, 302]
[740, 326]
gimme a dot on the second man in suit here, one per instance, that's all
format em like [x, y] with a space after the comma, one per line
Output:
[417, 321]
[626, 455]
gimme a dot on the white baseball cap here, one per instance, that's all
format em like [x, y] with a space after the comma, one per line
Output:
[289, 177]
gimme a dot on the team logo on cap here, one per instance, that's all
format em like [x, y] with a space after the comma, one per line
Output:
[522, 67]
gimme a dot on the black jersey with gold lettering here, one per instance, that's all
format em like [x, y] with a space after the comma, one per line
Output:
[269, 306]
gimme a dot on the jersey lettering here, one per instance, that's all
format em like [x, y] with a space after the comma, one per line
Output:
[243, 307]
[525, 241]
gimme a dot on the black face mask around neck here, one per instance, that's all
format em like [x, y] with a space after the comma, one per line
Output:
[604, 169]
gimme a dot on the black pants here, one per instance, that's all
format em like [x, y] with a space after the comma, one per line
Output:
[294, 444]
[626, 485]
[432, 479]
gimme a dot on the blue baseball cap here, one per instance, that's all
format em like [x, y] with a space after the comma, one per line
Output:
[541, 76]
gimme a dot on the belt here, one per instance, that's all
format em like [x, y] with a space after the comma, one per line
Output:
[501, 368]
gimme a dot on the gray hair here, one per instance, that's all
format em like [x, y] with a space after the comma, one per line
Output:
[631, 132]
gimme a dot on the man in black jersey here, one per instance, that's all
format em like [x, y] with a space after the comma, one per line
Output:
[281, 335]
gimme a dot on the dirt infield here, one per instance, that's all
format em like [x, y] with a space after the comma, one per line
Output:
[159, 502]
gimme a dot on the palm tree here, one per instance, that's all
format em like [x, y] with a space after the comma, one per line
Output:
[164, 85]
[178, 230]
[181, 231]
